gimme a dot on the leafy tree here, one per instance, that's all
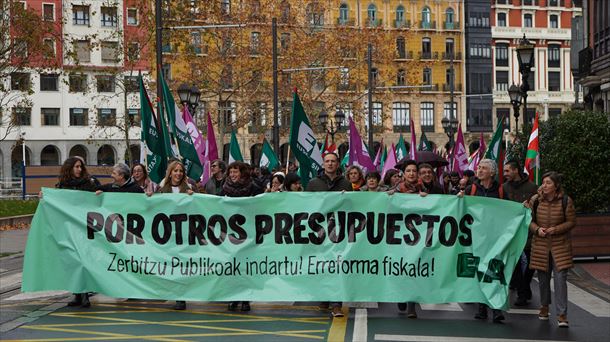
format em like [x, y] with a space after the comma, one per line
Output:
[575, 144]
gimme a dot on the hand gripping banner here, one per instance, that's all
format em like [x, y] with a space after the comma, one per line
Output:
[361, 246]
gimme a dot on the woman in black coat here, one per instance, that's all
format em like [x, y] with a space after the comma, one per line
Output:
[74, 176]
[238, 183]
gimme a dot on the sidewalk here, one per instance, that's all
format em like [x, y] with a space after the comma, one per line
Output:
[13, 241]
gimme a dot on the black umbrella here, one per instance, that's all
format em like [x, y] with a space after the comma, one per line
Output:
[428, 157]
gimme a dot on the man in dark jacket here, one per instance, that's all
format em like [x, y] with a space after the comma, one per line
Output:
[330, 180]
[486, 186]
[518, 188]
[215, 183]
[121, 174]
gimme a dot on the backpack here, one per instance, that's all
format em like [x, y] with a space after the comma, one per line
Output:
[473, 190]
[564, 205]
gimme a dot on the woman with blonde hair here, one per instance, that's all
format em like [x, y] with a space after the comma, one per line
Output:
[176, 182]
[355, 176]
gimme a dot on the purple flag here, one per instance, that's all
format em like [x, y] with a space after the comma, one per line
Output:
[377, 160]
[413, 147]
[210, 152]
[358, 155]
[390, 162]
[194, 133]
[460, 156]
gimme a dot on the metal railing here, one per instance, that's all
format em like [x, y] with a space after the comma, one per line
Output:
[11, 188]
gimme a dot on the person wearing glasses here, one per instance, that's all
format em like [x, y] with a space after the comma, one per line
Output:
[217, 180]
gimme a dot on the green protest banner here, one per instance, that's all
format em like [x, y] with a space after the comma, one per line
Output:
[339, 246]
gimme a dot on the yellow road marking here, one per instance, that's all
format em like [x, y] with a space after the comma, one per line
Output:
[338, 326]
[104, 334]
[106, 338]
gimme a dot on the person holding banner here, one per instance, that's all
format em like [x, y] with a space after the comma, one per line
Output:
[140, 176]
[553, 217]
[175, 182]
[73, 175]
[292, 182]
[392, 178]
[428, 178]
[355, 176]
[239, 183]
[486, 186]
[122, 181]
[215, 183]
[330, 180]
[372, 183]
[411, 184]
[277, 181]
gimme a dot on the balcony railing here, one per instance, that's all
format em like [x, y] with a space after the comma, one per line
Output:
[346, 22]
[373, 22]
[425, 55]
[454, 25]
[402, 23]
[456, 56]
[427, 25]
[401, 54]
[430, 87]
[456, 87]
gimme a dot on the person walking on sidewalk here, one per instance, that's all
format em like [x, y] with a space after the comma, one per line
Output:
[553, 217]
[518, 188]
[331, 180]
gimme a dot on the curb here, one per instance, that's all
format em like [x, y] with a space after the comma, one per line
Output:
[589, 283]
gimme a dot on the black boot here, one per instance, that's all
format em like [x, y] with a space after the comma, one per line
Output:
[233, 306]
[86, 303]
[245, 306]
[402, 306]
[180, 305]
[77, 300]
[498, 316]
[482, 314]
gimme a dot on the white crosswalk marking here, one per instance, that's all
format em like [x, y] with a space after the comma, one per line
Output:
[360, 326]
[37, 295]
[420, 338]
[523, 311]
[594, 305]
[442, 307]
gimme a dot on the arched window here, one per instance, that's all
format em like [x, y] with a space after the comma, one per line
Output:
[343, 13]
[78, 150]
[401, 77]
[105, 155]
[315, 14]
[372, 12]
[17, 159]
[425, 15]
[401, 48]
[49, 155]
[400, 14]
[449, 15]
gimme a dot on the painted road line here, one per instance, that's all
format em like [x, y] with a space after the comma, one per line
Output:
[363, 305]
[442, 307]
[419, 338]
[360, 326]
[10, 282]
[594, 305]
[37, 295]
[338, 326]
[523, 311]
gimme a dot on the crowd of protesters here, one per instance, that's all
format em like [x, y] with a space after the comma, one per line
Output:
[548, 247]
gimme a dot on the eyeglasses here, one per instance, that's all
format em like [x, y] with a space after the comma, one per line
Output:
[214, 165]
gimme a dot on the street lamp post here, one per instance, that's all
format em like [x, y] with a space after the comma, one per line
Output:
[331, 126]
[525, 55]
[450, 127]
[23, 165]
[189, 96]
[515, 98]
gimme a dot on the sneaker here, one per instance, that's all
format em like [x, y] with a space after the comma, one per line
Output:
[402, 306]
[86, 303]
[324, 305]
[562, 321]
[245, 306]
[232, 306]
[337, 312]
[482, 313]
[521, 302]
[180, 305]
[498, 316]
[543, 315]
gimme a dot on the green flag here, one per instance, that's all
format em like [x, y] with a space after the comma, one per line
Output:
[384, 156]
[495, 145]
[303, 143]
[169, 152]
[345, 159]
[401, 149]
[192, 164]
[268, 157]
[234, 152]
[424, 144]
[156, 159]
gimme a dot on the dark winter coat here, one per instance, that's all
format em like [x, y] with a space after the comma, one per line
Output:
[129, 186]
[83, 184]
[521, 191]
[245, 187]
[324, 183]
[559, 245]
[214, 186]
[493, 191]
[433, 189]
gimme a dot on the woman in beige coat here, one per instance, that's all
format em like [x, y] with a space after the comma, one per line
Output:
[553, 216]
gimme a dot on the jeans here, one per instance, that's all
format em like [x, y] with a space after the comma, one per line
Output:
[561, 287]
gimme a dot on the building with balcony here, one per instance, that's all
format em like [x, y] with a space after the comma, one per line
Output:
[84, 103]
[547, 24]
[594, 60]
[418, 49]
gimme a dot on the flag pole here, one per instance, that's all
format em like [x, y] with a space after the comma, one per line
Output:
[287, 158]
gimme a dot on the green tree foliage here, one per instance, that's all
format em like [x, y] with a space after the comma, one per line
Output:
[576, 144]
